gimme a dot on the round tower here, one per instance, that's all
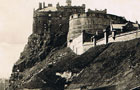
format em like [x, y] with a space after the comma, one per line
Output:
[91, 23]
[68, 2]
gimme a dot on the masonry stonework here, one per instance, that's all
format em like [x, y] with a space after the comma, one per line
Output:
[113, 33]
[92, 22]
[54, 15]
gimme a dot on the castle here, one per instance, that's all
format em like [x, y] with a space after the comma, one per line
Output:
[86, 29]
[45, 16]
[55, 27]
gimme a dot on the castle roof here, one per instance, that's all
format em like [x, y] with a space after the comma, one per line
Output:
[48, 9]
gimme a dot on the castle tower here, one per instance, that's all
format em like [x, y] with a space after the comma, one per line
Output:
[40, 5]
[68, 2]
[43, 4]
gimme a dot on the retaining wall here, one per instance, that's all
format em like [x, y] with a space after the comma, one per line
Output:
[121, 37]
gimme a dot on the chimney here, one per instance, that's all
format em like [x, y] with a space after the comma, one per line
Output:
[83, 5]
[68, 2]
[43, 4]
[40, 5]
[105, 10]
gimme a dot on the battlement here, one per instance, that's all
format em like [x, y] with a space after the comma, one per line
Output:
[98, 11]
[44, 10]
[82, 6]
[95, 15]
[43, 7]
[47, 14]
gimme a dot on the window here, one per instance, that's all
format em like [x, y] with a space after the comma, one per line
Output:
[71, 16]
[70, 41]
[49, 15]
[45, 26]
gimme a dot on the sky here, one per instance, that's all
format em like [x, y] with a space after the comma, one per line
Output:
[16, 17]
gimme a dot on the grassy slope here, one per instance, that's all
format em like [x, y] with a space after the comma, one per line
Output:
[106, 65]
[118, 65]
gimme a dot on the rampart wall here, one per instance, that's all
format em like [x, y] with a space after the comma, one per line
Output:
[74, 9]
[121, 37]
[79, 47]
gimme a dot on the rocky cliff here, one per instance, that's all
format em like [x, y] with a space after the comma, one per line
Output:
[39, 50]
[115, 66]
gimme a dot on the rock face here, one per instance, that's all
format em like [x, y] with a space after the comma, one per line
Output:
[114, 66]
[49, 35]
[45, 61]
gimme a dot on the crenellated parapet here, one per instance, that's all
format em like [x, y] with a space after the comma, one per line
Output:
[56, 14]
[98, 15]
[72, 9]
[98, 11]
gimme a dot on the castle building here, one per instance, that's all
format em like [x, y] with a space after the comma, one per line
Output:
[85, 30]
[113, 33]
[88, 24]
[54, 14]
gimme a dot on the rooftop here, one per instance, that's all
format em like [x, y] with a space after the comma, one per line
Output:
[49, 9]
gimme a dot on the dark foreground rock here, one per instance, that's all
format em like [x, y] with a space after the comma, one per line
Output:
[115, 65]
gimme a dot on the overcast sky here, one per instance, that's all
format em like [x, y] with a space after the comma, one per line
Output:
[16, 23]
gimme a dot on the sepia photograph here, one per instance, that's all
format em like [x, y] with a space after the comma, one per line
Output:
[70, 45]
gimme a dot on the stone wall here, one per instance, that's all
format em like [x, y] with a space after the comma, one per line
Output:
[79, 47]
[86, 46]
[42, 18]
[77, 44]
[121, 37]
[91, 22]
[74, 9]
